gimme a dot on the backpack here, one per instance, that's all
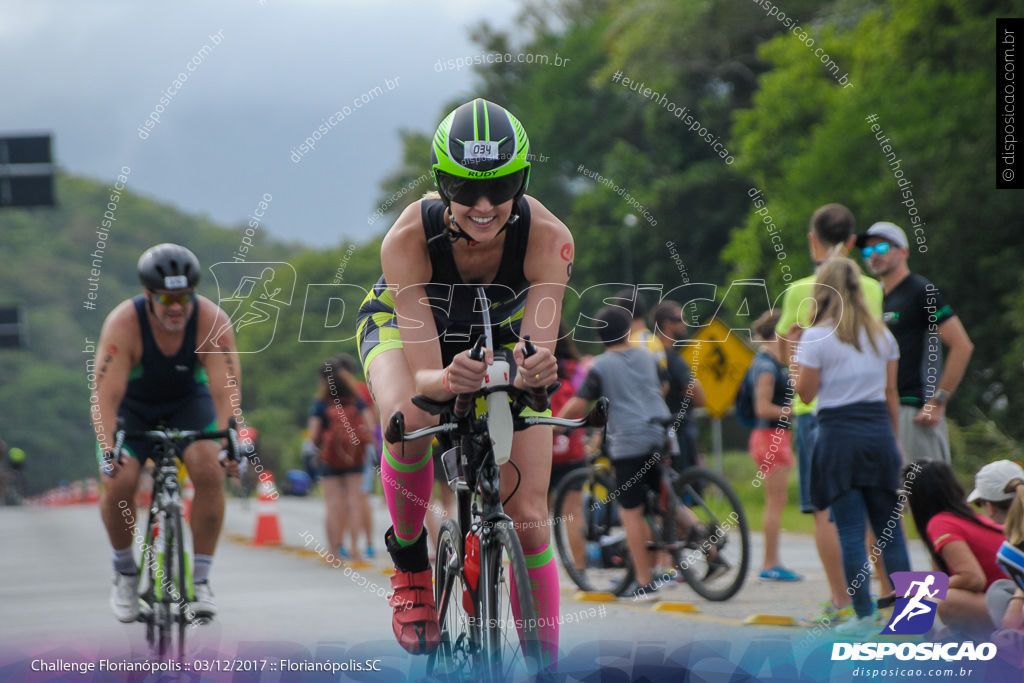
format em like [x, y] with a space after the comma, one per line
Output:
[344, 441]
[745, 400]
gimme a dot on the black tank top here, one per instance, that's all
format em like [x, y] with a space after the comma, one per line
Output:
[452, 299]
[159, 378]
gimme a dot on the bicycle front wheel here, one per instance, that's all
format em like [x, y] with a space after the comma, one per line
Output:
[456, 656]
[163, 615]
[182, 596]
[511, 644]
[714, 549]
[589, 535]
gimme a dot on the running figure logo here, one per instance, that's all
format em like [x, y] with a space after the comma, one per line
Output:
[258, 291]
[914, 613]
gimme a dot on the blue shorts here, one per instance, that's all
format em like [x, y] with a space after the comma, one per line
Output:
[803, 441]
[193, 412]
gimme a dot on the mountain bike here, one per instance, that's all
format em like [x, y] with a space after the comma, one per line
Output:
[695, 518]
[167, 581]
[483, 635]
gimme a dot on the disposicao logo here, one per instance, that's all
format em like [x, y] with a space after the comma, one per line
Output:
[914, 613]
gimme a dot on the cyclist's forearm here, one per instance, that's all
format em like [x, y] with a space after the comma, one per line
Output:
[104, 419]
[432, 383]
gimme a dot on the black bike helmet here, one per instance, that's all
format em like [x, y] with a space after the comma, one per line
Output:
[168, 267]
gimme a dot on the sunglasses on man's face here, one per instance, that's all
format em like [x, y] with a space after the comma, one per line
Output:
[882, 248]
[468, 192]
[184, 298]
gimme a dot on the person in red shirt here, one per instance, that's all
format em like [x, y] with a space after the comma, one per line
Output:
[568, 450]
[961, 544]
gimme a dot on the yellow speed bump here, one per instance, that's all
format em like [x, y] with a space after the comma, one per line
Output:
[770, 620]
[676, 607]
[593, 596]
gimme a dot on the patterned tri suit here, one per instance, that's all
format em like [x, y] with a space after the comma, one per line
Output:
[450, 298]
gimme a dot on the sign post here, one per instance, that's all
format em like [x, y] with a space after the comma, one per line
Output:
[719, 361]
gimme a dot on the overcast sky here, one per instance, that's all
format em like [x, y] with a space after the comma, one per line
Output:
[93, 72]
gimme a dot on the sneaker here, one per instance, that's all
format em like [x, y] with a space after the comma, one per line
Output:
[780, 573]
[203, 605]
[414, 612]
[858, 628]
[370, 552]
[648, 593]
[828, 615]
[342, 553]
[124, 597]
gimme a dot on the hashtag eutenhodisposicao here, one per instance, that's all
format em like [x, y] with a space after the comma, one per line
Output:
[679, 112]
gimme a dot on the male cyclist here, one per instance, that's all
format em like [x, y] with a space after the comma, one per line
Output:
[151, 368]
[416, 326]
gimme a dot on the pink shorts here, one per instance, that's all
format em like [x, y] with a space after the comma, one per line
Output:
[771, 447]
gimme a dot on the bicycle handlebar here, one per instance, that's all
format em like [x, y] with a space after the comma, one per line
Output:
[169, 437]
[597, 417]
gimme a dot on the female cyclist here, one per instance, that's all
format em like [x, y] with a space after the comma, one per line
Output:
[418, 322]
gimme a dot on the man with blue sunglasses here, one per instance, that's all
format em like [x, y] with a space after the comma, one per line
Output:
[918, 316]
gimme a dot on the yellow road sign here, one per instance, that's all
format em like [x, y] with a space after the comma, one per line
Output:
[719, 363]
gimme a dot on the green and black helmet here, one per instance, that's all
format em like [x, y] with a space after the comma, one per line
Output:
[480, 149]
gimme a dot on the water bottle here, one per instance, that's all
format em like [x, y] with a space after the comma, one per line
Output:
[159, 548]
[593, 555]
[472, 570]
[498, 411]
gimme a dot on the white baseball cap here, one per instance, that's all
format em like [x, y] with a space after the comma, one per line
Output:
[887, 231]
[991, 481]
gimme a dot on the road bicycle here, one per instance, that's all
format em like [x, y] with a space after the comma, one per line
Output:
[166, 588]
[696, 520]
[483, 635]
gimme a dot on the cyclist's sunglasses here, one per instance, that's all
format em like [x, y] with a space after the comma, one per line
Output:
[185, 298]
[882, 248]
[467, 192]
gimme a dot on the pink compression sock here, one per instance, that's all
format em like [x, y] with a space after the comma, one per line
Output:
[543, 573]
[407, 488]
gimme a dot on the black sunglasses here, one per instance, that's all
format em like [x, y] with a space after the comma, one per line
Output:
[466, 191]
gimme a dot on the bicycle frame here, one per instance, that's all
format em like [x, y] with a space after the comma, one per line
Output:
[474, 475]
[170, 571]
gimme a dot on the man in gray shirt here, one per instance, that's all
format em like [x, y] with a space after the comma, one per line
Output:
[628, 376]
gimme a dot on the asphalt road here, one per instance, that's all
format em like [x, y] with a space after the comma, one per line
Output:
[55, 564]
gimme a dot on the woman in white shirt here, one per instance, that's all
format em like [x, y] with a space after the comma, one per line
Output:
[847, 360]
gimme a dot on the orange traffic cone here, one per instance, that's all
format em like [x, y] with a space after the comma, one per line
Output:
[92, 490]
[268, 528]
[187, 498]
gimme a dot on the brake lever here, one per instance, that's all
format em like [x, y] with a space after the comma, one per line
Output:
[540, 394]
[464, 402]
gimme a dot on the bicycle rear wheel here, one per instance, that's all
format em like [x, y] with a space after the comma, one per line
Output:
[715, 539]
[456, 656]
[594, 515]
[511, 644]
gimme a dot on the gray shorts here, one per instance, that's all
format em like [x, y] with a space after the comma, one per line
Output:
[920, 441]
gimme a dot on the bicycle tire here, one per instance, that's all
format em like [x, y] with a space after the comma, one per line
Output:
[601, 525]
[148, 560]
[162, 614]
[456, 655]
[505, 641]
[182, 583]
[722, 525]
